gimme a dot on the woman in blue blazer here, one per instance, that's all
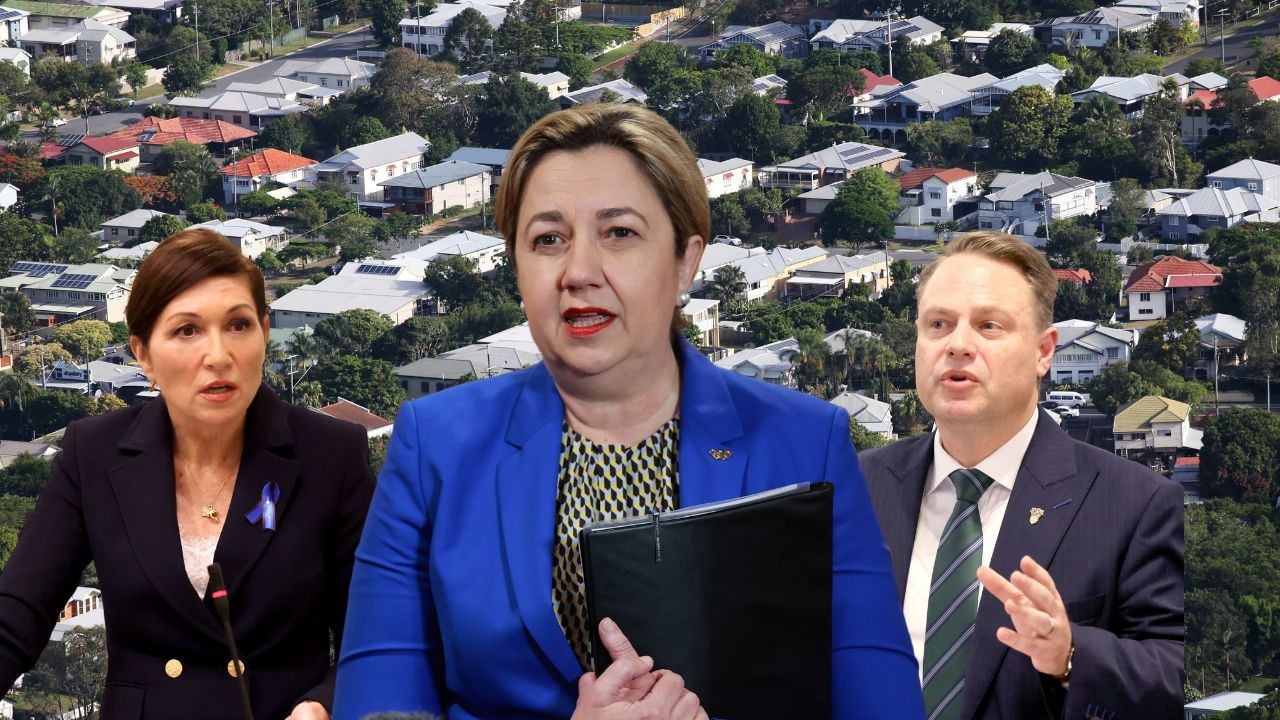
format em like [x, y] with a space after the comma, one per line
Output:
[465, 598]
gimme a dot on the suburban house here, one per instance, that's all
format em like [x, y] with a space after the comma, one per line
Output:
[555, 83]
[287, 89]
[1186, 217]
[1198, 122]
[63, 16]
[623, 89]
[1177, 12]
[765, 84]
[705, 316]
[268, 166]
[769, 363]
[13, 25]
[250, 238]
[929, 195]
[152, 134]
[766, 273]
[1155, 430]
[362, 168]
[989, 97]
[123, 381]
[873, 415]
[429, 190]
[726, 176]
[9, 195]
[714, 257]
[60, 292]
[1093, 29]
[973, 44]
[1222, 341]
[829, 165]
[166, 11]
[938, 97]
[425, 35]
[493, 158]
[125, 228]
[246, 110]
[846, 35]
[480, 360]
[374, 425]
[129, 256]
[1130, 93]
[833, 275]
[16, 57]
[776, 38]
[1078, 277]
[1085, 349]
[109, 152]
[1156, 289]
[393, 288]
[86, 42]
[483, 251]
[1255, 176]
[1019, 204]
[336, 73]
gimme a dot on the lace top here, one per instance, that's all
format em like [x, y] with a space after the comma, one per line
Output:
[197, 553]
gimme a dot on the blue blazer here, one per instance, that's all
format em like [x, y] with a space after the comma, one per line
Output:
[450, 608]
[1111, 537]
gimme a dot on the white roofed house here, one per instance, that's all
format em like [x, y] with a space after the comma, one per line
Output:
[167, 11]
[1093, 29]
[62, 16]
[244, 109]
[766, 273]
[1223, 341]
[873, 415]
[939, 97]
[704, 315]
[13, 25]
[484, 251]
[623, 89]
[973, 44]
[1085, 349]
[9, 195]
[60, 292]
[477, 361]
[1019, 204]
[1130, 93]
[124, 229]
[429, 190]
[1177, 12]
[336, 73]
[834, 275]
[829, 165]
[1185, 218]
[845, 35]
[86, 42]
[764, 84]
[726, 176]
[393, 288]
[425, 35]
[1255, 176]
[361, 168]
[776, 38]
[250, 238]
[555, 83]
[987, 98]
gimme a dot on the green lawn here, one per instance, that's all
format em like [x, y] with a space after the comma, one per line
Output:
[1256, 684]
[617, 53]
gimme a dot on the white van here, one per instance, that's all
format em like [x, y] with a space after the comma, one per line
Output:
[1069, 398]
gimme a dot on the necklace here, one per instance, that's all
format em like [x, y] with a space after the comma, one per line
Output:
[208, 510]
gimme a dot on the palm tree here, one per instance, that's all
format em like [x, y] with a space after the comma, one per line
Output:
[810, 359]
[43, 115]
[908, 413]
[729, 283]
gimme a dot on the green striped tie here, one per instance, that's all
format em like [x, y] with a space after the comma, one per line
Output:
[953, 599]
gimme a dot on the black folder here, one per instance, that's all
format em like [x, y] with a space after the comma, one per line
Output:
[734, 596]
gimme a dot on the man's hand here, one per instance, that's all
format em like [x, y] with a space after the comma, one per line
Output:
[308, 710]
[631, 688]
[1042, 630]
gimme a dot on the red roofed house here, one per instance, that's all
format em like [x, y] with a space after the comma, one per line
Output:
[1079, 278]
[374, 425]
[152, 134]
[106, 153]
[1196, 123]
[270, 165]
[1156, 289]
[873, 82]
[929, 195]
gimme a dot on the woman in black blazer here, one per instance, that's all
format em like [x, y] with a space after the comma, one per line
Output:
[148, 492]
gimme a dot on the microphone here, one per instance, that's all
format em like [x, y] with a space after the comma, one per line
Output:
[218, 591]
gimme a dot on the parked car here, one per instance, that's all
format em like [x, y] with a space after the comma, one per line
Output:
[1068, 397]
[56, 122]
[727, 240]
[1067, 411]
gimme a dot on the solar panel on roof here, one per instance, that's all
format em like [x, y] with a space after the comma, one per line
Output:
[74, 281]
[37, 269]
[378, 269]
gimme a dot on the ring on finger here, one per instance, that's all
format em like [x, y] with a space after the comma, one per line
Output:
[1052, 626]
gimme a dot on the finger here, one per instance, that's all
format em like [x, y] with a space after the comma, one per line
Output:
[618, 676]
[1028, 620]
[615, 641]
[1015, 641]
[1040, 596]
[641, 686]
[1041, 575]
[997, 585]
[666, 693]
[687, 707]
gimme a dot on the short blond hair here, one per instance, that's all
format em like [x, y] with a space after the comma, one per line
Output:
[1005, 248]
[657, 148]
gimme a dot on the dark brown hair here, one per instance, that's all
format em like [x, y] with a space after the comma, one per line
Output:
[657, 148]
[182, 261]
[1007, 249]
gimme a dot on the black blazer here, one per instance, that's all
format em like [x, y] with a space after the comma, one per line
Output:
[1111, 537]
[110, 498]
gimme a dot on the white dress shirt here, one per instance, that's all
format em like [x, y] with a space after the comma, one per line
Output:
[935, 509]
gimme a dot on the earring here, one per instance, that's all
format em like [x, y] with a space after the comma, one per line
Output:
[683, 299]
[521, 306]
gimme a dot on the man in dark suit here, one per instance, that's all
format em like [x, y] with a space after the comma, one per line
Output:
[1007, 534]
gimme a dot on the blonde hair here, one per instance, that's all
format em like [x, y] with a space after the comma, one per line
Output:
[1005, 248]
[657, 148]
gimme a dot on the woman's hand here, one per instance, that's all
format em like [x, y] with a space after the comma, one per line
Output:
[631, 688]
[308, 710]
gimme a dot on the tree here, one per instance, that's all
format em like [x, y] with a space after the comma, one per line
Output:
[729, 283]
[1200, 65]
[909, 413]
[1011, 51]
[466, 40]
[414, 339]
[205, 211]
[351, 332]
[864, 439]
[192, 171]
[16, 310]
[862, 211]
[290, 134]
[384, 19]
[1070, 241]
[1173, 343]
[85, 195]
[73, 672]
[258, 203]
[751, 127]
[516, 43]
[158, 228]
[510, 106]
[481, 319]
[1117, 386]
[826, 87]
[353, 233]
[654, 62]
[940, 143]
[579, 68]
[187, 76]
[40, 358]
[1128, 204]
[1241, 454]
[1250, 260]
[454, 281]
[269, 263]
[916, 64]
[24, 476]
[1026, 128]
[727, 214]
[84, 339]
[1157, 136]
[900, 296]
[308, 213]
[810, 361]
[48, 411]
[367, 382]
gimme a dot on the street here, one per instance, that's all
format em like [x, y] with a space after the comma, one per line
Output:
[1237, 48]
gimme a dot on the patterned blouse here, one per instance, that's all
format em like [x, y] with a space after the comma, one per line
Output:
[604, 482]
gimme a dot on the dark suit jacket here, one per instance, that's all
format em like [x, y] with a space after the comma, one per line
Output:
[110, 499]
[1111, 537]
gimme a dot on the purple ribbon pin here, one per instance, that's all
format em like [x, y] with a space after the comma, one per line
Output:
[265, 510]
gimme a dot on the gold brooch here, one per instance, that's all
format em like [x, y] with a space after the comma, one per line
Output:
[719, 454]
[1036, 514]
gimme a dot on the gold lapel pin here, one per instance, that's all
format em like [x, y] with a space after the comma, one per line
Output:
[719, 454]
[1036, 514]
